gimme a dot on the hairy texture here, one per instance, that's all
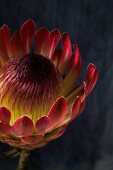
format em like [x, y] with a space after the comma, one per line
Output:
[29, 83]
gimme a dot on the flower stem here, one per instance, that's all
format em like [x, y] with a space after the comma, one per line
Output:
[23, 161]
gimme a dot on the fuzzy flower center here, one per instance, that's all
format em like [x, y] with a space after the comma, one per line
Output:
[29, 86]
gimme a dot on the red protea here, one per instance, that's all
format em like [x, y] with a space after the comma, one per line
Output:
[38, 92]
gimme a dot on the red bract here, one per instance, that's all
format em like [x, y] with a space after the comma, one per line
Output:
[39, 94]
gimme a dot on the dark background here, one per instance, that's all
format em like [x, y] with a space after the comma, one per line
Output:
[88, 142]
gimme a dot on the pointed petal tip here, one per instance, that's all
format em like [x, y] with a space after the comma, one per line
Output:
[62, 99]
[91, 65]
[41, 33]
[76, 47]
[43, 29]
[84, 84]
[56, 30]
[66, 38]
[56, 34]
[4, 26]
[5, 30]
[65, 34]
[92, 68]
[29, 21]
[28, 26]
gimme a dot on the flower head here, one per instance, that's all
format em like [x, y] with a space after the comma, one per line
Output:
[38, 92]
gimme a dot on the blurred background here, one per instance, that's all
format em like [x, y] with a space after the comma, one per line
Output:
[88, 142]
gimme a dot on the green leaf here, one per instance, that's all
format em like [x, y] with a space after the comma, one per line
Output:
[10, 153]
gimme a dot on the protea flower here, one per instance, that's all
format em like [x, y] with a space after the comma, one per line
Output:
[39, 95]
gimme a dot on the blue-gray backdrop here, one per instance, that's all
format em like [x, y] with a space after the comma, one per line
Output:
[88, 142]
